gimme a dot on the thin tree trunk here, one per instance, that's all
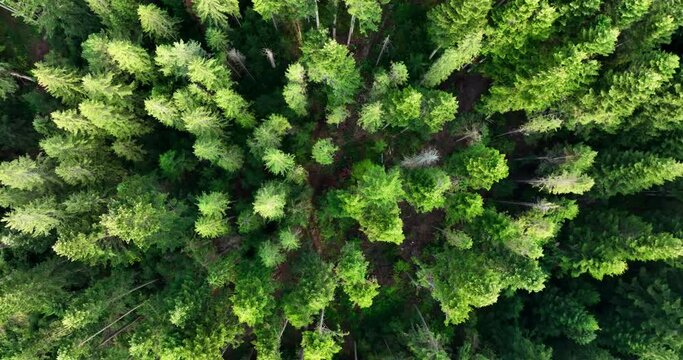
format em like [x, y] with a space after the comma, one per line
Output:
[384, 46]
[317, 15]
[274, 23]
[353, 22]
[110, 324]
[334, 20]
[122, 330]
[23, 77]
[434, 52]
[11, 10]
[297, 26]
[355, 352]
[510, 132]
[132, 290]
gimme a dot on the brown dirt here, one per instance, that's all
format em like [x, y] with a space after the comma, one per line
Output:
[420, 230]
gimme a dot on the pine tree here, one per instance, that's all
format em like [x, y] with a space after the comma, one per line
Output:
[324, 151]
[60, 82]
[478, 167]
[604, 242]
[278, 162]
[453, 21]
[426, 188]
[156, 22]
[295, 90]
[352, 272]
[453, 59]
[320, 344]
[132, 59]
[373, 202]
[330, 63]
[24, 173]
[36, 218]
[628, 172]
[253, 299]
[174, 60]
[270, 201]
[367, 12]
[216, 12]
[312, 293]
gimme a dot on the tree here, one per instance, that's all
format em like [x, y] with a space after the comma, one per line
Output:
[295, 90]
[212, 222]
[368, 13]
[216, 12]
[373, 202]
[312, 293]
[329, 63]
[453, 21]
[156, 22]
[478, 167]
[270, 201]
[323, 151]
[278, 162]
[425, 188]
[60, 82]
[352, 272]
[23, 173]
[628, 172]
[36, 218]
[625, 92]
[132, 59]
[602, 244]
[320, 344]
[253, 299]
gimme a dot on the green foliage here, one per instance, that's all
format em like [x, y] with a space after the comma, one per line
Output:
[312, 293]
[156, 22]
[60, 82]
[478, 167]
[295, 91]
[253, 297]
[323, 151]
[278, 162]
[352, 272]
[320, 345]
[132, 59]
[270, 201]
[330, 64]
[373, 202]
[426, 188]
[453, 59]
[627, 172]
[216, 12]
[604, 243]
[519, 161]
[452, 21]
[368, 13]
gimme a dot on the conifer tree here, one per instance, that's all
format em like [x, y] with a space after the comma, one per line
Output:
[156, 22]
[478, 167]
[373, 202]
[132, 59]
[603, 244]
[453, 21]
[453, 59]
[312, 293]
[628, 172]
[323, 151]
[216, 12]
[60, 82]
[295, 90]
[352, 272]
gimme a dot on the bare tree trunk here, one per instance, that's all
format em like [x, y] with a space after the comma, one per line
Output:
[317, 15]
[122, 330]
[353, 22]
[110, 324]
[334, 20]
[384, 46]
[434, 52]
[20, 76]
[274, 23]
